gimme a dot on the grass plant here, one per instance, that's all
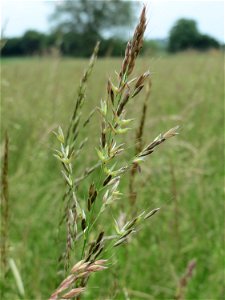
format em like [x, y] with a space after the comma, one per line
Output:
[187, 89]
[82, 215]
[5, 207]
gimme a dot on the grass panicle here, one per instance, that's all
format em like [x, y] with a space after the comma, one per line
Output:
[73, 129]
[66, 155]
[79, 272]
[133, 47]
[104, 190]
[185, 278]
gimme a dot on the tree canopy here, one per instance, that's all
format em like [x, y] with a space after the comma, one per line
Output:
[96, 17]
[185, 35]
[82, 22]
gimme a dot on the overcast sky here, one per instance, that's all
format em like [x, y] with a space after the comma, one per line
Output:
[21, 15]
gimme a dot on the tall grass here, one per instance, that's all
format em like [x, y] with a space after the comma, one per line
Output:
[114, 161]
[187, 89]
[5, 207]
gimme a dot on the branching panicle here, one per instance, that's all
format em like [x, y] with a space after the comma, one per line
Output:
[105, 190]
[73, 129]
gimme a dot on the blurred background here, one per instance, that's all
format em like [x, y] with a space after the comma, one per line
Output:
[38, 27]
[45, 47]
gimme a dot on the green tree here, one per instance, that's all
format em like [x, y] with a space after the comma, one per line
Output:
[183, 35]
[82, 22]
[12, 47]
[205, 42]
[33, 42]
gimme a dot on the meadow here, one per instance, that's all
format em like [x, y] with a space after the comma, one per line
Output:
[184, 177]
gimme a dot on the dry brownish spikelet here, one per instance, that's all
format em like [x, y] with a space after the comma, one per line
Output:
[134, 46]
[158, 140]
[183, 282]
[79, 271]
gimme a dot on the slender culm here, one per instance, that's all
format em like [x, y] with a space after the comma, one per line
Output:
[5, 205]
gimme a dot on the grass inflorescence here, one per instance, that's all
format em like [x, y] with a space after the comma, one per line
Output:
[81, 218]
[183, 177]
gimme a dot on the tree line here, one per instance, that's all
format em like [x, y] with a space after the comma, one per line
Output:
[185, 35]
[77, 25]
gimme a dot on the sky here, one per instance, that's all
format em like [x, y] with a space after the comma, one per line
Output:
[17, 16]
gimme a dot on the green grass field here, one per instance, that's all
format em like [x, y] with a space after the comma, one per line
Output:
[184, 176]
